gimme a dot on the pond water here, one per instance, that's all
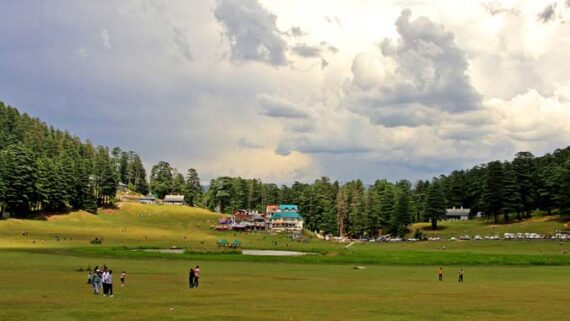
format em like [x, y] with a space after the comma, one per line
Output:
[275, 253]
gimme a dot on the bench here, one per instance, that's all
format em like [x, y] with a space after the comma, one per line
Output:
[235, 244]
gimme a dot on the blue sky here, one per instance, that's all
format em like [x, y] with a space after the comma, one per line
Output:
[293, 90]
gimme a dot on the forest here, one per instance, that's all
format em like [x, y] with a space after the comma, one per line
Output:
[43, 169]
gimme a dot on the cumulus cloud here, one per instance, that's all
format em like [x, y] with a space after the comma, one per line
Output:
[279, 107]
[548, 14]
[333, 20]
[496, 8]
[296, 32]
[305, 145]
[412, 80]
[181, 43]
[306, 51]
[105, 38]
[246, 143]
[252, 32]
[312, 51]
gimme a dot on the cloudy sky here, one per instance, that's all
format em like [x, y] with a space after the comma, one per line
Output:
[287, 90]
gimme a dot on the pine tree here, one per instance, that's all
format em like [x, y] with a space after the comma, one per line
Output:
[524, 168]
[18, 177]
[401, 214]
[178, 183]
[563, 196]
[193, 190]
[161, 177]
[386, 208]
[434, 208]
[493, 189]
[510, 193]
[341, 210]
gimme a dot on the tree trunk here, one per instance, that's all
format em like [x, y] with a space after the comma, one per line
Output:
[434, 224]
[496, 218]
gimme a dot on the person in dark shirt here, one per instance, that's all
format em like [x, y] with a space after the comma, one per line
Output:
[191, 278]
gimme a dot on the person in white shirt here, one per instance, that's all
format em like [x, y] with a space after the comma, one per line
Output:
[110, 283]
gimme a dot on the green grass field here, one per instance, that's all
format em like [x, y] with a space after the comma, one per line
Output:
[504, 280]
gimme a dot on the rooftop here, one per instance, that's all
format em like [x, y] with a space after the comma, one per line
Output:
[174, 198]
[294, 215]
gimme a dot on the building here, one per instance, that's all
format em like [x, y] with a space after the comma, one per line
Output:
[461, 214]
[252, 220]
[149, 199]
[270, 210]
[286, 221]
[288, 208]
[174, 200]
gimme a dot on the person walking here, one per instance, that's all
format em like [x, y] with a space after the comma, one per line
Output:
[191, 278]
[96, 281]
[460, 276]
[196, 276]
[440, 274]
[123, 276]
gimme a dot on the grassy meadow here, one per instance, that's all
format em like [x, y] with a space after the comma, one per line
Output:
[504, 280]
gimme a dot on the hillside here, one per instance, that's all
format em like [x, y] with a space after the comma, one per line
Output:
[131, 225]
[134, 226]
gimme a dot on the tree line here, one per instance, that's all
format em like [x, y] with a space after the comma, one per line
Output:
[43, 169]
[498, 189]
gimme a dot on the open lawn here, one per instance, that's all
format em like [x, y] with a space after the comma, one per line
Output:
[47, 287]
[504, 280]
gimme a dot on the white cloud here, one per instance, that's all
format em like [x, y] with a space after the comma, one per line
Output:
[252, 32]
[461, 85]
[105, 38]
[279, 107]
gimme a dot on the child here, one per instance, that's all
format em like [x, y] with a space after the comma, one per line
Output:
[123, 275]
[461, 276]
[89, 276]
[440, 273]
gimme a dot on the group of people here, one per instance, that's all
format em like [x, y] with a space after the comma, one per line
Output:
[103, 279]
[440, 275]
[194, 277]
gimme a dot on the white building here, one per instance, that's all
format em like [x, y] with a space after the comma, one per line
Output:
[174, 199]
[286, 221]
[149, 199]
[461, 214]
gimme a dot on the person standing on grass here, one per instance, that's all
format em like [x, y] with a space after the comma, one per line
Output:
[196, 276]
[89, 277]
[191, 278]
[123, 275]
[110, 283]
[460, 276]
[440, 274]
[96, 281]
[104, 279]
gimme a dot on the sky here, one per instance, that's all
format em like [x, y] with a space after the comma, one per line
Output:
[291, 90]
